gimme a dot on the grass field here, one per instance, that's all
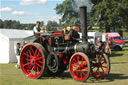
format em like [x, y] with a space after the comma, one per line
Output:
[9, 75]
[125, 34]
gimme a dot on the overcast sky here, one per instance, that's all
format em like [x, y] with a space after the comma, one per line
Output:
[29, 11]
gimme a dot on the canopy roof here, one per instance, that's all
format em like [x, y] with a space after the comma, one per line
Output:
[16, 34]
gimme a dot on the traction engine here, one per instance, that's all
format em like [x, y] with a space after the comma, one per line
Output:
[59, 51]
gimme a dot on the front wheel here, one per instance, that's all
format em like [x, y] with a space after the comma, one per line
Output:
[32, 60]
[79, 66]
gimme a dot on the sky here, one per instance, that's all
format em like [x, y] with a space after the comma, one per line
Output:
[29, 11]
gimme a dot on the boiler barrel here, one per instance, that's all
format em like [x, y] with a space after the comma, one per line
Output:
[79, 47]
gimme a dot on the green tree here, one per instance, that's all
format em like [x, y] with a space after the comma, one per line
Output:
[69, 10]
[23, 26]
[13, 24]
[124, 12]
[109, 13]
[29, 26]
[69, 16]
[5, 24]
[52, 26]
[95, 1]
[42, 23]
[1, 23]
[16, 25]
[10, 24]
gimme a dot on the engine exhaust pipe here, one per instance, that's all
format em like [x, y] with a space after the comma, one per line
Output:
[83, 21]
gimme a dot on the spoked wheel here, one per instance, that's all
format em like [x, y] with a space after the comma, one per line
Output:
[79, 66]
[55, 66]
[100, 65]
[52, 62]
[32, 60]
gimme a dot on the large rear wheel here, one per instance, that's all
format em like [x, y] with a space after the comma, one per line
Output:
[100, 65]
[79, 66]
[32, 60]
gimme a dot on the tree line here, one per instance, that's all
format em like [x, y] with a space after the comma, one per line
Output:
[13, 24]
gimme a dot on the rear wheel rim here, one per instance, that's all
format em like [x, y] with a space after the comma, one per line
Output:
[100, 66]
[32, 61]
[79, 67]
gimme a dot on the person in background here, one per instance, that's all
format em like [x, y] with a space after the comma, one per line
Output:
[37, 32]
[18, 50]
[99, 44]
[107, 49]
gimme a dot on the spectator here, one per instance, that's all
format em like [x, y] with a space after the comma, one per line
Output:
[107, 49]
[99, 44]
[18, 49]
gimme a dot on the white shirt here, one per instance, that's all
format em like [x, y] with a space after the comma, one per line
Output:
[35, 29]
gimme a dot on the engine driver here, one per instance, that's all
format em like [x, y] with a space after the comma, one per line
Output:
[37, 32]
[74, 34]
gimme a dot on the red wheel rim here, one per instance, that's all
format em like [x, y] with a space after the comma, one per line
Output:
[99, 66]
[32, 61]
[79, 67]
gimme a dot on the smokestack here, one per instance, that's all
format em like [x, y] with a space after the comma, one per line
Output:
[83, 21]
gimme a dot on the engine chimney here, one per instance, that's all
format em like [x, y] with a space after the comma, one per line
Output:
[83, 21]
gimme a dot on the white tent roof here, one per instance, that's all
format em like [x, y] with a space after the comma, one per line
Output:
[16, 34]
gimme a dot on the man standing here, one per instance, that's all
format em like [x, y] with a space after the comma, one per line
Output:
[18, 49]
[36, 31]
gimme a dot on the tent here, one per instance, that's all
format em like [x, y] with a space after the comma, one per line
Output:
[8, 40]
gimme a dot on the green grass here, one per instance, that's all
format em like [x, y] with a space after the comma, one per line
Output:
[9, 75]
[125, 34]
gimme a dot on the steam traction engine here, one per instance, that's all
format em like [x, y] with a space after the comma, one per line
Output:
[58, 51]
